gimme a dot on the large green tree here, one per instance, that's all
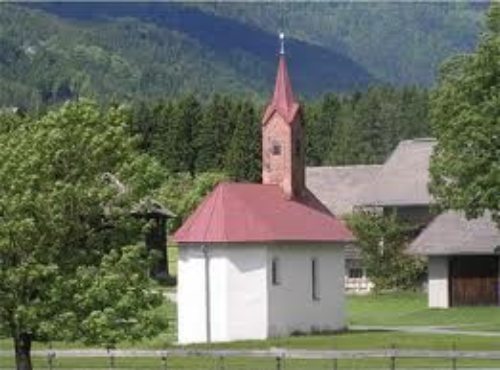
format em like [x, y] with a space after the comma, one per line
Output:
[465, 110]
[383, 240]
[70, 268]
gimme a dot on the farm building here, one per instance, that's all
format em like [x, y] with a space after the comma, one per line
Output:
[463, 260]
[399, 185]
[263, 260]
[463, 266]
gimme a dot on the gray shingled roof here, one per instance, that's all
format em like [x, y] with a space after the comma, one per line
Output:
[403, 179]
[452, 233]
[339, 188]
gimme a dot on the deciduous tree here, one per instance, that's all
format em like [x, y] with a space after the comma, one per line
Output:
[70, 268]
[465, 110]
[383, 240]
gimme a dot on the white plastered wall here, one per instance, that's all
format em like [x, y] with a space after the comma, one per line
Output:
[238, 296]
[247, 299]
[438, 282]
[191, 295]
[291, 305]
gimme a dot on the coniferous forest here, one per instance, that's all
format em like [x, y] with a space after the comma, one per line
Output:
[223, 133]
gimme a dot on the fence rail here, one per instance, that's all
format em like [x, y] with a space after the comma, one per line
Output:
[277, 355]
[272, 353]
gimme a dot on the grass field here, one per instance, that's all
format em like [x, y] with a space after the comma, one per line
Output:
[253, 364]
[410, 309]
[402, 309]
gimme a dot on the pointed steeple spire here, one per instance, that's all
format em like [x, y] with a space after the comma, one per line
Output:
[283, 99]
[283, 149]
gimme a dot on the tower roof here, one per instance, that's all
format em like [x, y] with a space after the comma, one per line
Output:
[283, 100]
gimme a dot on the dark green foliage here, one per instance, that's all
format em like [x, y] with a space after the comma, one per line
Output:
[364, 128]
[214, 134]
[322, 120]
[183, 193]
[46, 59]
[383, 240]
[179, 125]
[224, 134]
[244, 156]
[465, 167]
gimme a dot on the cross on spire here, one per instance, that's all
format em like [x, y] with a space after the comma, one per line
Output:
[282, 43]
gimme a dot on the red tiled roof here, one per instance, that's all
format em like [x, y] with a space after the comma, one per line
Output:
[242, 212]
[283, 100]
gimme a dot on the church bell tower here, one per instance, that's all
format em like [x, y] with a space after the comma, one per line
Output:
[283, 146]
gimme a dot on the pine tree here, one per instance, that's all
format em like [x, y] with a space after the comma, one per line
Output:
[321, 128]
[243, 159]
[211, 137]
[180, 124]
[162, 114]
[141, 124]
[345, 150]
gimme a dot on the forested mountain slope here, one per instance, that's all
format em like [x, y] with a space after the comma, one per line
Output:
[119, 51]
[397, 42]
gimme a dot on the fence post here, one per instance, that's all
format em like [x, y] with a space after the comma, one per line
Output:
[454, 357]
[278, 362]
[111, 358]
[164, 362]
[50, 357]
[335, 364]
[221, 362]
[393, 357]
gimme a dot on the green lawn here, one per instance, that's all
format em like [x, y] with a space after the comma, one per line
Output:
[403, 309]
[200, 363]
[410, 309]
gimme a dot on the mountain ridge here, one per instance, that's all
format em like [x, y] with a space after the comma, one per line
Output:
[107, 51]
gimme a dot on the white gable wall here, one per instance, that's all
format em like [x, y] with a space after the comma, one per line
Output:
[291, 305]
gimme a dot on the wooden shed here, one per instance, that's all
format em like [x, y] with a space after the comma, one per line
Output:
[463, 260]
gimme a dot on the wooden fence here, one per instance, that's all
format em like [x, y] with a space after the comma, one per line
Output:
[277, 355]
